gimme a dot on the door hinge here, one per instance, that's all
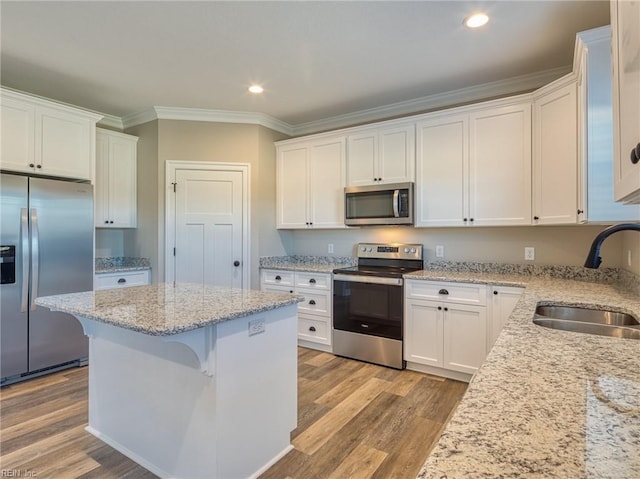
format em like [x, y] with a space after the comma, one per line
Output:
[174, 186]
[174, 251]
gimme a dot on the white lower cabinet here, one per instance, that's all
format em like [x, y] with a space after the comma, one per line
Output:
[446, 336]
[501, 302]
[315, 312]
[123, 279]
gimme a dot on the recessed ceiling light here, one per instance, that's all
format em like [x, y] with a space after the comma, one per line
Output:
[476, 20]
[256, 89]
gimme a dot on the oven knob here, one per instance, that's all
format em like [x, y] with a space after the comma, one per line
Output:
[406, 250]
[364, 248]
[413, 250]
[369, 250]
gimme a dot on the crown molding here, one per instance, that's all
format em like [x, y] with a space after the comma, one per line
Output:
[483, 91]
[200, 114]
[478, 92]
[111, 122]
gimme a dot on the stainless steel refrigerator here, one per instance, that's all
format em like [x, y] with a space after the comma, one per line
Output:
[46, 247]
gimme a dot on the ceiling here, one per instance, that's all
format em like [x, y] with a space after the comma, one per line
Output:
[317, 60]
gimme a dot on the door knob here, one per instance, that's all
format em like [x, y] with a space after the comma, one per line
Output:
[236, 263]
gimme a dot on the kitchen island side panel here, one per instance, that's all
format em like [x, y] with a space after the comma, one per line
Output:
[226, 411]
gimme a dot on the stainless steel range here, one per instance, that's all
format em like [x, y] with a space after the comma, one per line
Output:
[368, 306]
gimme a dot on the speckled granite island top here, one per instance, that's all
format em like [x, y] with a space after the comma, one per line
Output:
[164, 309]
[547, 403]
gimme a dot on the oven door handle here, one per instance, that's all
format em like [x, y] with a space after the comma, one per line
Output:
[367, 279]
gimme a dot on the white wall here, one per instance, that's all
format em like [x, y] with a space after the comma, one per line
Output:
[563, 245]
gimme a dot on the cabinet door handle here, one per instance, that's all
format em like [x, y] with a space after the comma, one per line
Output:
[312, 281]
[495, 292]
[439, 308]
[471, 219]
[106, 222]
[536, 218]
[464, 219]
[236, 263]
[312, 302]
[31, 165]
[312, 329]
[278, 278]
[580, 212]
[122, 281]
[635, 154]
[446, 309]
[38, 166]
[291, 291]
[443, 291]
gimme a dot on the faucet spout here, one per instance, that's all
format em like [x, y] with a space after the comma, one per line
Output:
[594, 259]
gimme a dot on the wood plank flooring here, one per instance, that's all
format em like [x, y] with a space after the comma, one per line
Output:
[355, 420]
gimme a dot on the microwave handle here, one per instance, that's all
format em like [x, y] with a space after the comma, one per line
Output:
[396, 203]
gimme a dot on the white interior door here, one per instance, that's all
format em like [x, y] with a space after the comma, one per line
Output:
[210, 230]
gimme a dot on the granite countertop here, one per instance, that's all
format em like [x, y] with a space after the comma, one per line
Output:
[546, 403]
[305, 263]
[121, 264]
[164, 309]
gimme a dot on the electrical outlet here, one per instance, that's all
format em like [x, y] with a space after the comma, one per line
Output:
[330, 248]
[529, 253]
[256, 326]
[439, 251]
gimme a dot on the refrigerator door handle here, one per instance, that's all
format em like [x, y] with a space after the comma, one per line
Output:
[35, 260]
[24, 240]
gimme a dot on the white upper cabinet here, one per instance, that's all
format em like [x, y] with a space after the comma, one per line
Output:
[555, 153]
[500, 166]
[43, 137]
[474, 166]
[625, 21]
[442, 166]
[381, 155]
[116, 184]
[595, 119]
[310, 183]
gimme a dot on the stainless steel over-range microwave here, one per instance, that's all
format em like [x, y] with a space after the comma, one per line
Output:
[390, 204]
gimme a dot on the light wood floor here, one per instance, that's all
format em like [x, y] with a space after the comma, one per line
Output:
[355, 420]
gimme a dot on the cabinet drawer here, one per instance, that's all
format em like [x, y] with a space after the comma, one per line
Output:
[466, 293]
[121, 280]
[315, 302]
[313, 280]
[272, 276]
[315, 330]
[274, 288]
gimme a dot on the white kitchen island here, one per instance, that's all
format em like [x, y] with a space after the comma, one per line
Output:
[190, 381]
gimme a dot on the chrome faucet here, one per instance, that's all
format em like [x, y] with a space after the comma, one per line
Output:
[594, 259]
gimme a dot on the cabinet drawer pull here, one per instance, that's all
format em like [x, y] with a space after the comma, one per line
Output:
[312, 302]
[312, 281]
[443, 291]
[122, 281]
[312, 329]
[635, 154]
[446, 309]
[439, 308]
[278, 278]
[291, 291]
[495, 292]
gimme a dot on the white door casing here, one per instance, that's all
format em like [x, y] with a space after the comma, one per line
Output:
[207, 222]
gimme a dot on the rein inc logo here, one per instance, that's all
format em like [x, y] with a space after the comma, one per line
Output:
[18, 473]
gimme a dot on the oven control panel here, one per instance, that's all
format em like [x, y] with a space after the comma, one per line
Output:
[390, 251]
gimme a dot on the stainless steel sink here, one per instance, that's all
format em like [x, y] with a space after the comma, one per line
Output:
[590, 321]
